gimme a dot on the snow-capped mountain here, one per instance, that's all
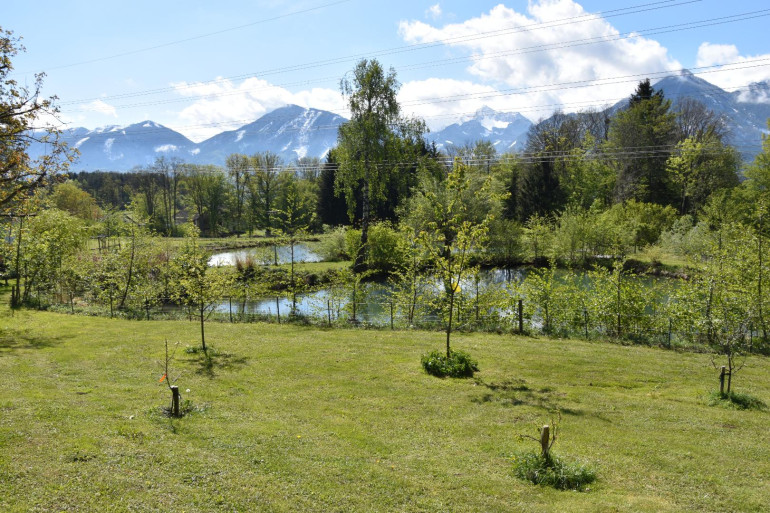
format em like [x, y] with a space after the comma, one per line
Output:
[746, 111]
[506, 131]
[120, 148]
[292, 132]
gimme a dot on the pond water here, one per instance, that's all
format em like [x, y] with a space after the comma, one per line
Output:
[372, 306]
[266, 255]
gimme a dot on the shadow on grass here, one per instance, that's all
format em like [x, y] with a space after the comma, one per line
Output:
[209, 361]
[517, 393]
[12, 340]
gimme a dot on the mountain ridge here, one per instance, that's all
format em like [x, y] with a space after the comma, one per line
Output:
[294, 132]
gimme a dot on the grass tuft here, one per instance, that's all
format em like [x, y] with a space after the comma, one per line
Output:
[554, 472]
[736, 400]
[459, 364]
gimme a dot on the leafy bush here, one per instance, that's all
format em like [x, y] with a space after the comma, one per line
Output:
[386, 252]
[458, 365]
[553, 471]
[333, 247]
[737, 401]
[352, 242]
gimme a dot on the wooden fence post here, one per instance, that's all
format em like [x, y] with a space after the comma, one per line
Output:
[391, 314]
[545, 438]
[722, 381]
[278, 309]
[175, 400]
[521, 316]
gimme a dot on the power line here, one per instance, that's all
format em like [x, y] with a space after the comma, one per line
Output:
[471, 96]
[419, 46]
[193, 38]
[532, 108]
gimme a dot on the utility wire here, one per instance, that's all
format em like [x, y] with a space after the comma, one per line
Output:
[531, 108]
[419, 46]
[193, 38]
[551, 87]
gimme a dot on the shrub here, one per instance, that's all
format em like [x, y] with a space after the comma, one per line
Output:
[458, 365]
[386, 253]
[333, 247]
[553, 471]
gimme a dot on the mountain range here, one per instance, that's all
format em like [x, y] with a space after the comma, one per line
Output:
[294, 132]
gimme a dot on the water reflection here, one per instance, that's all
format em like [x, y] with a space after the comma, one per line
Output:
[266, 255]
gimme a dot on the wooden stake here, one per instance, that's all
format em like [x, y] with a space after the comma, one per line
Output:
[545, 438]
[175, 400]
[722, 381]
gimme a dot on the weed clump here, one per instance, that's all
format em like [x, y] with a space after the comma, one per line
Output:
[553, 471]
[736, 400]
[459, 364]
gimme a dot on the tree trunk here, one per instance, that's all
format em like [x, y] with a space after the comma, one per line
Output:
[360, 264]
[203, 320]
[449, 324]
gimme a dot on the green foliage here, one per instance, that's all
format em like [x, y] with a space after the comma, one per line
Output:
[451, 229]
[458, 364]
[553, 471]
[386, 250]
[700, 167]
[264, 185]
[637, 147]
[207, 192]
[22, 113]
[69, 197]
[506, 242]
[373, 144]
[334, 246]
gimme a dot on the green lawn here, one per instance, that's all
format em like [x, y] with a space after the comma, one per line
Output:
[291, 418]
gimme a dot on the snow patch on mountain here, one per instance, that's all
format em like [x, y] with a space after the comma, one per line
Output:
[165, 148]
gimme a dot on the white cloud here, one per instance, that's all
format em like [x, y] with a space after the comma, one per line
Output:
[100, 107]
[534, 54]
[735, 71]
[434, 11]
[223, 105]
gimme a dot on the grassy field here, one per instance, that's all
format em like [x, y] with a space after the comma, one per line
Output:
[289, 418]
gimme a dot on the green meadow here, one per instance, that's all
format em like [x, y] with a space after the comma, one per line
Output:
[294, 418]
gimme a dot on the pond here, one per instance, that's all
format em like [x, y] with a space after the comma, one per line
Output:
[373, 303]
[373, 306]
[266, 255]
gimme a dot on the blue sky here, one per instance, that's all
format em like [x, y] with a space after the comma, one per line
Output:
[203, 67]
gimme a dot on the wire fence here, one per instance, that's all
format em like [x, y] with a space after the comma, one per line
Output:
[329, 311]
